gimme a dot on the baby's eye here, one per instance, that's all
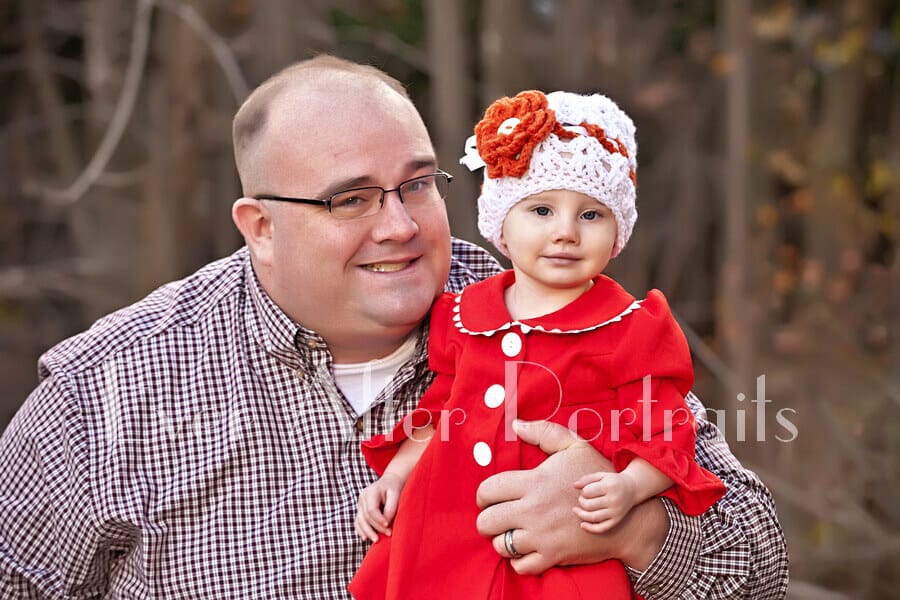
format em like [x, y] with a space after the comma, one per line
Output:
[590, 215]
[542, 211]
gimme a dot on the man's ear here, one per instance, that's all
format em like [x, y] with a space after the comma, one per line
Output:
[254, 220]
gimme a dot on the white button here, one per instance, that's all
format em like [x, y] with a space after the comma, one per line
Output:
[508, 126]
[511, 344]
[482, 454]
[494, 396]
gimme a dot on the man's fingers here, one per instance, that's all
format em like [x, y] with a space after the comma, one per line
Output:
[549, 437]
[502, 487]
[519, 542]
[531, 564]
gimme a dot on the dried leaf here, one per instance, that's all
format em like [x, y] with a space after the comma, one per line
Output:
[776, 23]
[767, 215]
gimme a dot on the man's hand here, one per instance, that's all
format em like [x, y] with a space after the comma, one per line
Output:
[538, 504]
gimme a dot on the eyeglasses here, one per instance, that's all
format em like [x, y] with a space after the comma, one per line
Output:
[366, 201]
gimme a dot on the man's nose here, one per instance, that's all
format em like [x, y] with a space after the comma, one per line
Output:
[393, 220]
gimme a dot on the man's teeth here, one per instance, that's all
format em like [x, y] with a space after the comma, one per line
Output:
[386, 267]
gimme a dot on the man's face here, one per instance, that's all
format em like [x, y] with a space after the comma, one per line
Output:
[365, 283]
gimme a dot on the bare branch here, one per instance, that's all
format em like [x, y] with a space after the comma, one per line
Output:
[220, 49]
[803, 590]
[844, 513]
[121, 116]
[709, 358]
[38, 66]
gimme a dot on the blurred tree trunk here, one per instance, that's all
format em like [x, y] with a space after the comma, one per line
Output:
[892, 215]
[503, 49]
[175, 236]
[833, 157]
[572, 37]
[451, 106]
[733, 308]
[275, 24]
[39, 70]
[104, 222]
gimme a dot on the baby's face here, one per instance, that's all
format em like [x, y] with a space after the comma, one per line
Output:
[559, 239]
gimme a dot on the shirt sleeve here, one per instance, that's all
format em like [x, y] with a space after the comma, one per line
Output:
[51, 544]
[736, 549]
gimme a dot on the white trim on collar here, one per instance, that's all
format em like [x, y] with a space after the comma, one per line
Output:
[457, 321]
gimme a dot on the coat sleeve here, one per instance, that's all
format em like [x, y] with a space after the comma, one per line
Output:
[736, 549]
[655, 374]
[380, 449]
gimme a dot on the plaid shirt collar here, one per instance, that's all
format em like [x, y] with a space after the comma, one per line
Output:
[280, 336]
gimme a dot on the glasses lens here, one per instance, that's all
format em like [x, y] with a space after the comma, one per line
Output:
[424, 189]
[356, 203]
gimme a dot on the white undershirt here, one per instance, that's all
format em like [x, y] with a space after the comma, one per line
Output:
[362, 382]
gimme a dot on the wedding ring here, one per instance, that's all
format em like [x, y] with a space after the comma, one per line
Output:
[508, 543]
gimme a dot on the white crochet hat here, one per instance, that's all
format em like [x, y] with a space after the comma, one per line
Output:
[562, 141]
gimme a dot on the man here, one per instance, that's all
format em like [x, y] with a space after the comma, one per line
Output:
[204, 442]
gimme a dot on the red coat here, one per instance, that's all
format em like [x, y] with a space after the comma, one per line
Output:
[483, 361]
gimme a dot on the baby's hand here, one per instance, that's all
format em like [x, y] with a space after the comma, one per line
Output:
[370, 516]
[605, 499]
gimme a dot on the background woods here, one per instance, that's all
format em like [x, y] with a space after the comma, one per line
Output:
[769, 150]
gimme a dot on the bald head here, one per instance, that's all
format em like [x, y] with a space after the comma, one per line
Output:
[298, 92]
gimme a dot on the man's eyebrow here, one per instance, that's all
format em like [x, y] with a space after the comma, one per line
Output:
[367, 180]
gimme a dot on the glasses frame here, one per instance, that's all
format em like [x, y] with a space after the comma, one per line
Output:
[384, 192]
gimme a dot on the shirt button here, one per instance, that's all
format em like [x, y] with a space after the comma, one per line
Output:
[299, 373]
[511, 344]
[652, 589]
[360, 425]
[494, 396]
[482, 453]
[312, 344]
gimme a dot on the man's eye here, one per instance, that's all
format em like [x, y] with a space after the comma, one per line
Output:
[348, 202]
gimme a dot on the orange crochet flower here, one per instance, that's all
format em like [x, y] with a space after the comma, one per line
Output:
[510, 130]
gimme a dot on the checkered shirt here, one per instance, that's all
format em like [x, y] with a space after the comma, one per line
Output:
[194, 445]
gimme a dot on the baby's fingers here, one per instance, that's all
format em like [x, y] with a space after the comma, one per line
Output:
[593, 516]
[370, 508]
[602, 527]
[593, 504]
[363, 529]
[589, 478]
[390, 507]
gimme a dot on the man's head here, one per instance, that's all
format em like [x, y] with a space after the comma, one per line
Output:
[320, 127]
